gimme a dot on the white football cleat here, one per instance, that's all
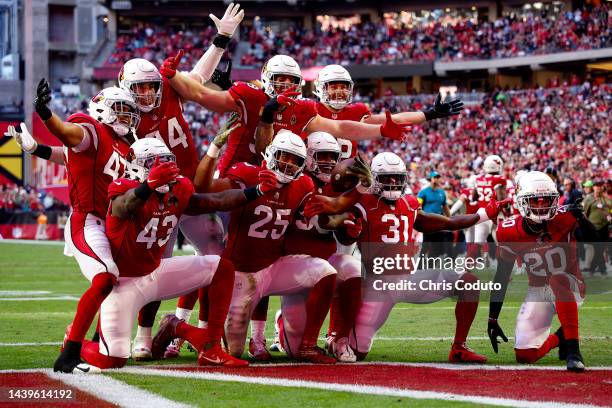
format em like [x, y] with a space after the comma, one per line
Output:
[85, 368]
[343, 351]
[276, 344]
[174, 348]
[141, 350]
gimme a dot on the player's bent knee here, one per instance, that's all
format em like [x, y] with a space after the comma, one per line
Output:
[526, 356]
[104, 282]
[347, 266]
[225, 267]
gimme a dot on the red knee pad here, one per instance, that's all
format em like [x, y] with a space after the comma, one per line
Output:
[526, 356]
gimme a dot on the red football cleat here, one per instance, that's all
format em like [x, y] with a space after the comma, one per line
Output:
[165, 334]
[258, 351]
[215, 356]
[460, 353]
[313, 354]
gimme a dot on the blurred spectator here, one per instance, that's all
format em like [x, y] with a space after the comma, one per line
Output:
[570, 193]
[598, 209]
[433, 200]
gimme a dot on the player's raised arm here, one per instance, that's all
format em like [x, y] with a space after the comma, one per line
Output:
[190, 89]
[126, 204]
[68, 133]
[203, 180]
[205, 67]
[428, 222]
[440, 110]
[265, 128]
[352, 130]
[29, 145]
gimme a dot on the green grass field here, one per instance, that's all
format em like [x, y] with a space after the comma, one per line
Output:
[42, 274]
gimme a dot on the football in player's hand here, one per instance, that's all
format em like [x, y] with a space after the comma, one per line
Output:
[342, 179]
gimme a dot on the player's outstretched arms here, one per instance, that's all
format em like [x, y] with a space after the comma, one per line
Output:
[502, 277]
[320, 204]
[414, 118]
[68, 133]
[352, 130]
[265, 127]
[125, 205]
[190, 89]
[205, 67]
[29, 145]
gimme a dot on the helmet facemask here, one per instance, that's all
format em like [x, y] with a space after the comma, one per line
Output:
[286, 165]
[538, 207]
[390, 185]
[124, 117]
[146, 93]
[138, 168]
[337, 94]
[323, 163]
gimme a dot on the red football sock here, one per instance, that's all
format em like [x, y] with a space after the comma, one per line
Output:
[349, 297]
[146, 316]
[197, 337]
[317, 306]
[203, 296]
[188, 301]
[466, 308]
[335, 316]
[473, 250]
[565, 303]
[101, 286]
[90, 353]
[528, 356]
[219, 298]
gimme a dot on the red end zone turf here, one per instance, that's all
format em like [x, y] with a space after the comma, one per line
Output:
[593, 387]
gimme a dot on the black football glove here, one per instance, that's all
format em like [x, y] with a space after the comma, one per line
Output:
[576, 209]
[494, 331]
[223, 79]
[443, 110]
[43, 97]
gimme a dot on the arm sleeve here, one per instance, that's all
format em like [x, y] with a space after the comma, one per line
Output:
[207, 63]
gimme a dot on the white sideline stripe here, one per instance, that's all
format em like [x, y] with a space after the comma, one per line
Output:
[30, 299]
[357, 389]
[31, 242]
[46, 343]
[115, 391]
[23, 292]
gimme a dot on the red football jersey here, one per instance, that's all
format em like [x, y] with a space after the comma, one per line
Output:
[355, 112]
[552, 251]
[251, 100]
[257, 230]
[485, 185]
[93, 165]
[470, 206]
[138, 243]
[385, 222]
[306, 237]
[168, 125]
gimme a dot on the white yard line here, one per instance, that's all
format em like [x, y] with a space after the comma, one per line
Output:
[358, 389]
[31, 242]
[37, 299]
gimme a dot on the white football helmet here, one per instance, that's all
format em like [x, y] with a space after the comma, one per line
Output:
[329, 74]
[537, 196]
[285, 145]
[139, 71]
[115, 107]
[493, 164]
[280, 65]
[389, 172]
[141, 157]
[316, 144]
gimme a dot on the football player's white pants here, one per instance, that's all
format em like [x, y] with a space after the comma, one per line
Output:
[347, 267]
[85, 239]
[470, 234]
[173, 277]
[204, 232]
[290, 277]
[535, 316]
[482, 231]
[373, 313]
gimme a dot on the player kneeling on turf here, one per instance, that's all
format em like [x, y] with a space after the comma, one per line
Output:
[145, 207]
[542, 237]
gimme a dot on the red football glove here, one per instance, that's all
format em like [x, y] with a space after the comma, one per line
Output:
[287, 98]
[393, 130]
[267, 181]
[162, 174]
[170, 64]
[495, 207]
[318, 204]
[353, 226]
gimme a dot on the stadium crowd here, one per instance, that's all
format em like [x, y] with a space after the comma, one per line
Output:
[16, 199]
[391, 41]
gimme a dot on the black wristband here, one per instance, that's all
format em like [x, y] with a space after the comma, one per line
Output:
[143, 191]
[221, 41]
[252, 193]
[44, 112]
[267, 115]
[42, 151]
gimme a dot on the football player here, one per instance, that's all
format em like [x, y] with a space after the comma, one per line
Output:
[280, 75]
[334, 88]
[489, 186]
[145, 207]
[387, 217]
[94, 150]
[256, 247]
[542, 237]
[468, 198]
